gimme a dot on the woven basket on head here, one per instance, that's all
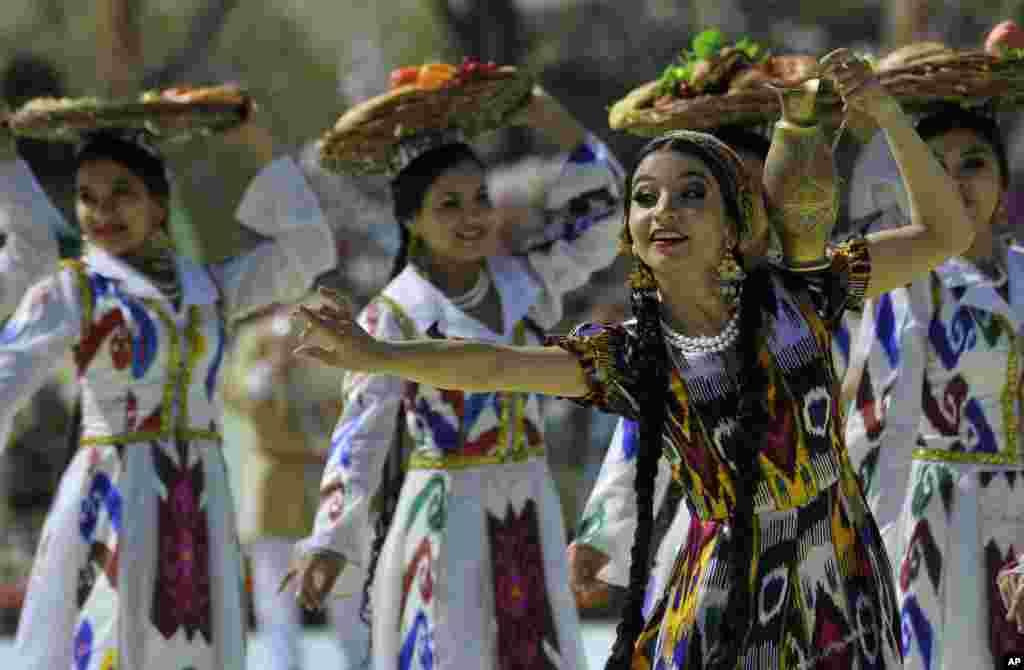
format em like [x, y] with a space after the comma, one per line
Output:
[174, 115]
[365, 139]
[920, 76]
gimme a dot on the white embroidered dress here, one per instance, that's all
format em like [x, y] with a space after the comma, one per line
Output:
[936, 434]
[473, 572]
[138, 566]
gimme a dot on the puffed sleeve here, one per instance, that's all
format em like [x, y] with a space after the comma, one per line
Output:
[610, 516]
[584, 213]
[278, 204]
[605, 352]
[360, 444]
[33, 343]
[28, 243]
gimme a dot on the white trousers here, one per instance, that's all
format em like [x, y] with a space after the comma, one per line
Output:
[279, 619]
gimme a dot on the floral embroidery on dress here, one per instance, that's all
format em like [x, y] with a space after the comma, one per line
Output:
[182, 589]
[526, 629]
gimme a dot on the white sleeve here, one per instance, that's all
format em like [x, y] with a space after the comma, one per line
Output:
[883, 424]
[585, 213]
[278, 204]
[609, 519]
[364, 436]
[28, 244]
[33, 343]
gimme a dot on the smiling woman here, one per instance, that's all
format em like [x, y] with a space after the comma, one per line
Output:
[138, 565]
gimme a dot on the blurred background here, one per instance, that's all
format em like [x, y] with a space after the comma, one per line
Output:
[305, 61]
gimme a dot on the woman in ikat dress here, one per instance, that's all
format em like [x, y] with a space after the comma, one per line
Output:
[472, 570]
[731, 378]
[138, 566]
[938, 416]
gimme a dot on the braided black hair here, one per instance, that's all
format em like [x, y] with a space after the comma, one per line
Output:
[408, 191]
[650, 360]
[651, 363]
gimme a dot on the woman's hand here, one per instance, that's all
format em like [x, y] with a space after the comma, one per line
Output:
[349, 346]
[857, 84]
[316, 575]
[1011, 588]
[584, 564]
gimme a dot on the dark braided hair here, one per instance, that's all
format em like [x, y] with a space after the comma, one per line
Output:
[651, 363]
[408, 191]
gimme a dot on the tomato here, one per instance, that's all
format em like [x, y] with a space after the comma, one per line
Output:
[404, 76]
[1006, 35]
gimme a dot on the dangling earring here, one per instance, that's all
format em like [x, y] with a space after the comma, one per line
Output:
[730, 275]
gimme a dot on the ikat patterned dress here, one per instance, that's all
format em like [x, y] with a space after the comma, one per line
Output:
[820, 583]
[138, 566]
[473, 571]
[936, 437]
[609, 518]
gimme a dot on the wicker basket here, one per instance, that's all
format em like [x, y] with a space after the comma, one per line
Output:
[967, 78]
[365, 139]
[166, 120]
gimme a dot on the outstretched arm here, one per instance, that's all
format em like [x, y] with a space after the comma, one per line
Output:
[477, 367]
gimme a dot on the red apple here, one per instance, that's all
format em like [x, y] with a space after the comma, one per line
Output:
[1007, 35]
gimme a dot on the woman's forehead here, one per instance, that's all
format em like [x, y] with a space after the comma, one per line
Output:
[670, 164]
[461, 177]
[104, 171]
[959, 141]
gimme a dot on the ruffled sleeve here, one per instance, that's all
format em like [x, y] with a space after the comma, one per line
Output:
[278, 204]
[584, 213]
[604, 351]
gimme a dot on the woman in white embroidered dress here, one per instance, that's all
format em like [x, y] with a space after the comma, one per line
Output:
[138, 566]
[936, 424]
[472, 573]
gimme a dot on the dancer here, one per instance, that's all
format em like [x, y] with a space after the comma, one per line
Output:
[472, 569]
[148, 329]
[944, 426]
[787, 568]
[599, 555]
[280, 462]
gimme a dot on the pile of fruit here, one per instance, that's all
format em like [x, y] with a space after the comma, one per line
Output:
[434, 76]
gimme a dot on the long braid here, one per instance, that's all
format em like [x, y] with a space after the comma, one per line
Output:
[394, 472]
[651, 362]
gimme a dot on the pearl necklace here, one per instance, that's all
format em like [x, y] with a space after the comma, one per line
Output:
[704, 344]
[474, 296]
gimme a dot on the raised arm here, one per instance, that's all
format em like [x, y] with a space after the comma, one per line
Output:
[278, 204]
[28, 226]
[940, 226]
[443, 363]
[583, 208]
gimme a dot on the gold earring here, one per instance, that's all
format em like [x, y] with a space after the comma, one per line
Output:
[729, 269]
